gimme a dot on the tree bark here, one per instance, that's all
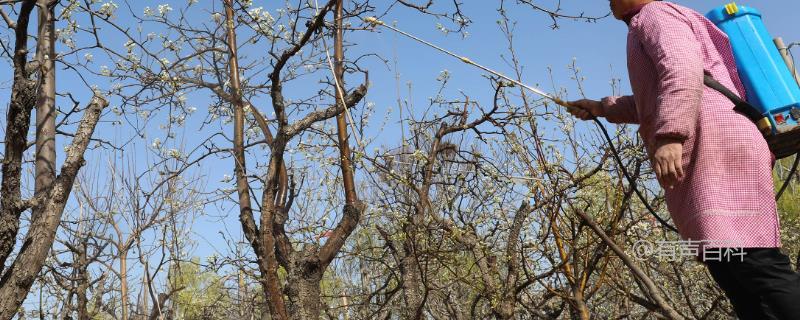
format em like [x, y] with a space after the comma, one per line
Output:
[18, 279]
[23, 99]
[409, 267]
[341, 123]
[156, 312]
[123, 282]
[82, 264]
[304, 292]
[45, 160]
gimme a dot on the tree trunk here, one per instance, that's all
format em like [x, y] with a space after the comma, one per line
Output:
[45, 160]
[97, 294]
[410, 272]
[83, 281]
[304, 290]
[579, 308]
[245, 309]
[341, 123]
[23, 98]
[157, 313]
[123, 280]
[18, 279]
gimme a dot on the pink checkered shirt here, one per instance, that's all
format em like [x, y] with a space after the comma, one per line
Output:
[727, 195]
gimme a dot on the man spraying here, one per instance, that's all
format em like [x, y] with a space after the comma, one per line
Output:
[713, 163]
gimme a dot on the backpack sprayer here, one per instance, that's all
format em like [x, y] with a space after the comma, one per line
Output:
[773, 94]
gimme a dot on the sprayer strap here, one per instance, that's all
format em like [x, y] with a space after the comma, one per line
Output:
[740, 105]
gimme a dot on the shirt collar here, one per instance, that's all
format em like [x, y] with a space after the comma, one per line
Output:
[632, 13]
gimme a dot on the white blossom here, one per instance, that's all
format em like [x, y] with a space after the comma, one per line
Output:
[129, 45]
[419, 155]
[444, 75]
[156, 143]
[133, 59]
[175, 153]
[256, 13]
[252, 132]
[69, 43]
[441, 28]
[163, 9]
[108, 8]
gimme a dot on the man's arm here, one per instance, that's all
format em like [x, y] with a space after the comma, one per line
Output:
[668, 39]
[620, 109]
[614, 109]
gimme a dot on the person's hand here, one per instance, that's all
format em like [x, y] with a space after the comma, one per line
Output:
[586, 109]
[667, 162]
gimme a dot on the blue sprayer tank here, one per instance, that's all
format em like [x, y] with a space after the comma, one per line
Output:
[770, 86]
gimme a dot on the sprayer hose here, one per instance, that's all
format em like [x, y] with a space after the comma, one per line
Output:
[631, 180]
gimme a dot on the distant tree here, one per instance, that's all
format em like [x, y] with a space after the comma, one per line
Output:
[199, 294]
